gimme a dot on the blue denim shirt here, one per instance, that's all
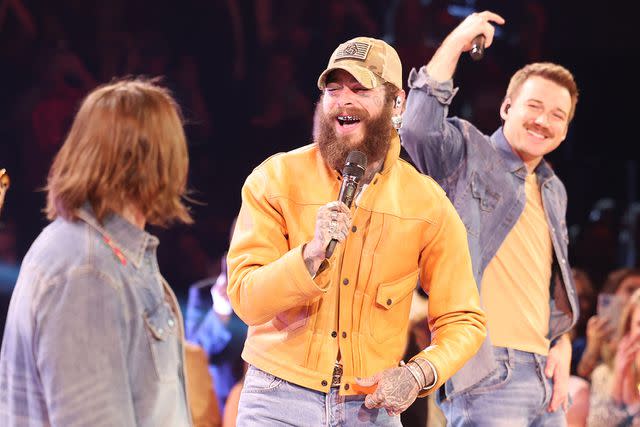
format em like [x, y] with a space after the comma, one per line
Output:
[484, 179]
[93, 334]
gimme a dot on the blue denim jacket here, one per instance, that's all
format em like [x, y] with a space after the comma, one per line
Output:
[484, 179]
[94, 334]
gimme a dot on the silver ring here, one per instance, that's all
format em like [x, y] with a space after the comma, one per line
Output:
[334, 215]
[333, 226]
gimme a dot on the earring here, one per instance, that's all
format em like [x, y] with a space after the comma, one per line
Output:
[398, 102]
[397, 121]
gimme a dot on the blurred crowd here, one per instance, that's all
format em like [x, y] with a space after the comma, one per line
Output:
[244, 73]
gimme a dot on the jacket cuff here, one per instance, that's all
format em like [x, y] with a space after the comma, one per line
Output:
[442, 91]
[309, 286]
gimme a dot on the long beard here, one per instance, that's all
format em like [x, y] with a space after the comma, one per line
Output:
[334, 149]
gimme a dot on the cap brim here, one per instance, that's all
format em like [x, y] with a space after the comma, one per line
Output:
[365, 77]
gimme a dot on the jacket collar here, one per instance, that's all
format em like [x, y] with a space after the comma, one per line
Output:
[120, 234]
[515, 163]
[392, 155]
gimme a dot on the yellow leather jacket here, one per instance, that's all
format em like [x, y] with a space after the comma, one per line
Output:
[404, 228]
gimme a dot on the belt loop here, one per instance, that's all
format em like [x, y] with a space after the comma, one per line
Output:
[511, 357]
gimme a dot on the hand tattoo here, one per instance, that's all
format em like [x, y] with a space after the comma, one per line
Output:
[397, 390]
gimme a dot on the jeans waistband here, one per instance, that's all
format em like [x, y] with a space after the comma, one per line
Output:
[513, 355]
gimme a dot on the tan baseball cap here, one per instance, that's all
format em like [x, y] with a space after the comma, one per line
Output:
[371, 61]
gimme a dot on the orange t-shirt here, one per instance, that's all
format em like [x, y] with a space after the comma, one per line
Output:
[515, 284]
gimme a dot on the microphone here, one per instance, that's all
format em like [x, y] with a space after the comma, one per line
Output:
[352, 173]
[477, 47]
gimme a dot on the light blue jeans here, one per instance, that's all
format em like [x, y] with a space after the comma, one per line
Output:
[267, 400]
[516, 394]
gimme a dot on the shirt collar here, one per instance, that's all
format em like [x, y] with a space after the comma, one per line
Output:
[120, 234]
[514, 162]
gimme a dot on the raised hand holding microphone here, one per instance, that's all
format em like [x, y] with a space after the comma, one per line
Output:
[474, 34]
[477, 47]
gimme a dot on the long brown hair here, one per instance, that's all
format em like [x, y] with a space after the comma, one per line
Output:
[126, 147]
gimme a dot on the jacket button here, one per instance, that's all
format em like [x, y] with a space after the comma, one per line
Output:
[354, 229]
[346, 386]
[345, 281]
[389, 301]
[334, 334]
[324, 383]
[344, 335]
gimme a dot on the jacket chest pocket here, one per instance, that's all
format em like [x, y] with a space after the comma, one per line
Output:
[390, 312]
[477, 204]
[161, 329]
[487, 198]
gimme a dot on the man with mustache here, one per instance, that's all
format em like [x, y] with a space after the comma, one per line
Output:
[327, 333]
[513, 206]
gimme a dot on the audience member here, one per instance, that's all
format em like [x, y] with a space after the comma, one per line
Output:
[615, 397]
[212, 324]
[620, 283]
[587, 301]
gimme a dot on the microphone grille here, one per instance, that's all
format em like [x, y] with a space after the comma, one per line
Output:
[356, 164]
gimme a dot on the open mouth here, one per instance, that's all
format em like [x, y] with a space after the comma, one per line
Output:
[348, 120]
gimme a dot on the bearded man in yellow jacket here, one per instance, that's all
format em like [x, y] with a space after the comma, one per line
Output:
[327, 332]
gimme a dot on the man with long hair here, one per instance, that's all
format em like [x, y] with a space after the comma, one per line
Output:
[327, 332]
[94, 333]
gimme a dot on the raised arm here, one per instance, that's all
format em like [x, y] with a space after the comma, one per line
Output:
[443, 63]
[434, 142]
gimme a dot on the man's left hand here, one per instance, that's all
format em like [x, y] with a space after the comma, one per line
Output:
[558, 367]
[397, 390]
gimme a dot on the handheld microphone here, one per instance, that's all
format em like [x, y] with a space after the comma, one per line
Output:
[352, 173]
[477, 47]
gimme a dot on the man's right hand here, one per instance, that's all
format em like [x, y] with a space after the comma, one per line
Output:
[332, 222]
[444, 61]
[473, 25]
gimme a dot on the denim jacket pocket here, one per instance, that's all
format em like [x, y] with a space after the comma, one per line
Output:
[161, 326]
[391, 308]
[479, 189]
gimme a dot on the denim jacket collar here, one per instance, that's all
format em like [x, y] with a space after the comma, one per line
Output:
[515, 163]
[131, 240]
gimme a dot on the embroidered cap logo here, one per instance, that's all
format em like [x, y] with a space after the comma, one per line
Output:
[355, 50]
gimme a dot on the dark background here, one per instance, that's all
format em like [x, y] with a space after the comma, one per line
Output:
[244, 72]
